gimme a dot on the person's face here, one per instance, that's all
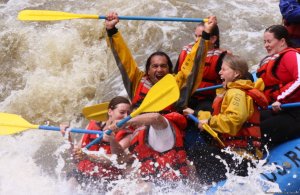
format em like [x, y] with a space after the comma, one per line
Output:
[227, 74]
[198, 32]
[272, 44]
[158, 68]
[121, 111]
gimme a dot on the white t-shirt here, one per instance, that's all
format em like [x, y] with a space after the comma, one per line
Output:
[161, 140]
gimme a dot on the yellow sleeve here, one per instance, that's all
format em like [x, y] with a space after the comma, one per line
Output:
[194, 61]
[234, 113]
[130, 72]
[190, 75]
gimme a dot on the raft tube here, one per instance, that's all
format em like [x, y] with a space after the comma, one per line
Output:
[287, 175]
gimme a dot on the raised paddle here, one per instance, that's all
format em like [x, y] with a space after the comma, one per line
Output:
[49, 15]
[164, 93]
[12, 124]
[96, 112]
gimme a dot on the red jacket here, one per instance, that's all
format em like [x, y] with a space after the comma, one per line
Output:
[97, 169]
[162, 165]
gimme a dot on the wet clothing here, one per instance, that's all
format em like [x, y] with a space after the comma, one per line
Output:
[99, 170]
[170, 165]
[290, 10]
[187, 79]
[236, 119]
[281, 74]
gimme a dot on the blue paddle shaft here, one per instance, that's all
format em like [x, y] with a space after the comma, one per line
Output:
[97, 140]
[195, 119]
[74, 130]
[288, 105]
[209, 88]
[157, 18]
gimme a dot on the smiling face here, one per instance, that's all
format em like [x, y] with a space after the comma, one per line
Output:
[272, 44]
[158, 68]
[121, 111]
[227, 74]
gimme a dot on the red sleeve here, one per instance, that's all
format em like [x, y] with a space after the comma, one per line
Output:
[178, 119]
[289, 72]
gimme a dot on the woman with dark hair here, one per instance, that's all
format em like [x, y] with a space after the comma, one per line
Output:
[92, 167]
[236, 119]
[280, 71]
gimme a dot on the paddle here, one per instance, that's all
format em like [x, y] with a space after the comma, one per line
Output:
[48, 15]
[209, 88]
[207, 128]
[164, 93]
[288, 105]
[12, 124]
[96, 112]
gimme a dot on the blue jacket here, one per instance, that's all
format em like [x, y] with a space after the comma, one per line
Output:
[290, 10]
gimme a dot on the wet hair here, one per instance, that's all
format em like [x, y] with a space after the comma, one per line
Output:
[116, 101]
[238, 64]
[215, 32]
[159, 53]
[280, 32]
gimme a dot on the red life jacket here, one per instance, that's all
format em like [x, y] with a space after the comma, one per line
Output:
[184, 52]
[142, 90]
[267, 69]
[211, 75]
[159, 165]
[249, 137]
[97, 169]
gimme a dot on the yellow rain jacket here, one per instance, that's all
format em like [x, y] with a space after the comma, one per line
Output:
[188, 78]
[236, 108]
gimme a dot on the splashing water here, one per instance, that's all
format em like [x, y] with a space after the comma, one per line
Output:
[51, 70]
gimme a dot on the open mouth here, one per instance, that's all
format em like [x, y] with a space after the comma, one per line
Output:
[158, 77]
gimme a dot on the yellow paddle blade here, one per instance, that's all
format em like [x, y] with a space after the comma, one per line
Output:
[213, 133]
[164, 93]
[47, 15]
[96, 112]
[12, 123]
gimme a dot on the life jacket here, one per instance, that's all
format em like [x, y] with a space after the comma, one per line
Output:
[267, 69]
[141, 92]
[184, 52]
[211, 75]
[170, 165]
[98, 169]
[249, 136]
